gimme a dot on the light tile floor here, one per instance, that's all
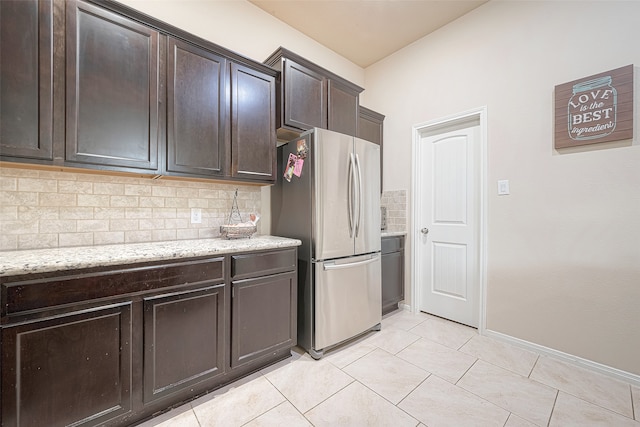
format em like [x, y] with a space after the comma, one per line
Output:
[420, 370]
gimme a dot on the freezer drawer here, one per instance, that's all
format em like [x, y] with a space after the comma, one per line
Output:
[347, 298]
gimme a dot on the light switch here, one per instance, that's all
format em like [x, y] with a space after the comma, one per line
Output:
[503, 187]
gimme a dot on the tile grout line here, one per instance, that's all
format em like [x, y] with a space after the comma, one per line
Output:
[507, 420]
[394, 355]
[504, 368]
[465, 373]
[412, 390]
[553, 407]
[489, 401]
[195, 415]
[534, 366]
[352, 362]
[401, 400]
[594, 404]
[328, 397]
[633, 406]
[465, 343]
[270, 409]
[599, 405]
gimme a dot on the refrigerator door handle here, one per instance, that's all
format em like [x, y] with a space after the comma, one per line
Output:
[334, 266]
[350, 194]
[359, 214]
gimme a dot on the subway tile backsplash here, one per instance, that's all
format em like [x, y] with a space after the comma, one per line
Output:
[49, 209]
[396, 204]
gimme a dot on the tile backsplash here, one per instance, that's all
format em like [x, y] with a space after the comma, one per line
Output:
[396, 204]
[49, 209]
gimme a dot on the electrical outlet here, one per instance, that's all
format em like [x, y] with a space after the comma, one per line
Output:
[196, 216]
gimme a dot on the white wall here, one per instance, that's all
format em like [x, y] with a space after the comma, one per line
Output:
[246, 29]
[564, 247]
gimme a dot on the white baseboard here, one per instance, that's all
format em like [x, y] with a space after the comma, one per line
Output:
[402, 306]
[566, 357]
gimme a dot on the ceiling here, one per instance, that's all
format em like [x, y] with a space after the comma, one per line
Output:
[365, 31]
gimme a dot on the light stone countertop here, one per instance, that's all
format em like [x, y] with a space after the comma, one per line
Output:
[59, 259]
[393, 233]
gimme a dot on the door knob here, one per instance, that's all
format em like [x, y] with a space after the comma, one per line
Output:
[425, 231]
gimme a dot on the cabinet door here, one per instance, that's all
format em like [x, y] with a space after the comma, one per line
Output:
[392, 273]
[370, 128]
[392, 281]
[184, 339]
[370, 125]
[112, 89]
[305, 97]
[196, 111]
[26, 90]
[74, 369]
[263, 313]
[343, 109]
[253, 133]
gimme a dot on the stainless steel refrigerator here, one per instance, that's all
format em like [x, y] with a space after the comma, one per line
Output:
[328, 196]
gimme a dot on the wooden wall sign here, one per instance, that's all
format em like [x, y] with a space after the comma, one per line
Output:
[595, 109]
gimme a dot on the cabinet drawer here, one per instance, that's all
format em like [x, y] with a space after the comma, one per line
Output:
[263, 264]
[392, 244]
[43, 293]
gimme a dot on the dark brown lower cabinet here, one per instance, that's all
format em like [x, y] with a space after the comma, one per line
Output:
[392, 270]
[112, 346]
[74, 369]
[264, 298]
[259, 320]
[183, 339]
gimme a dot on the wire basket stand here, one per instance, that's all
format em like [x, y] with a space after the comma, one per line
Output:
[235, 227]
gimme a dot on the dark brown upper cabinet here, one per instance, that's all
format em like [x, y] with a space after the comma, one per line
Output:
[26, 88]
[253, 133]
[221, 116]
[96, 84]
[370, 127]
[343, 108]
[304, 96]
[112, 89]
[311, 96]
[196, 110]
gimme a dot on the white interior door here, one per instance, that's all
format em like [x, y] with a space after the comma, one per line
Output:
[447, 223]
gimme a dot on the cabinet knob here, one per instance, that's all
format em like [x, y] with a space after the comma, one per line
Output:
[425, 231]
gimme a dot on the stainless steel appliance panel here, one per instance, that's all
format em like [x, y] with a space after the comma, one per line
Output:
[332, 230]
[367, 231]
[335, 198]
[348, 298]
